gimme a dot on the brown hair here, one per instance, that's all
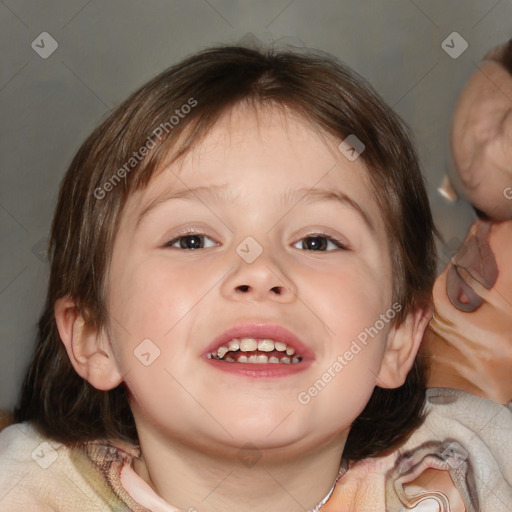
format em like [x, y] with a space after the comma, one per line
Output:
[101, 177]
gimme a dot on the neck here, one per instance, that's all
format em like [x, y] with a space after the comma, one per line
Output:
[235, 480]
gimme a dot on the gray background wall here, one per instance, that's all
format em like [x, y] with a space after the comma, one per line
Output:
[106, 49]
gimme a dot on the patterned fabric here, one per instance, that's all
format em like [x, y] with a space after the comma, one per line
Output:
[468, 437]
[39, 474]
[465, 436]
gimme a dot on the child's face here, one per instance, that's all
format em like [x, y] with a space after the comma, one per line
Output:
[481, 140]
[182, 299]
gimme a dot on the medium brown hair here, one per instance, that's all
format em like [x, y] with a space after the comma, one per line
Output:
[323, 91]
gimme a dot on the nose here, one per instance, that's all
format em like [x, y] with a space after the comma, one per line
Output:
[259, 280]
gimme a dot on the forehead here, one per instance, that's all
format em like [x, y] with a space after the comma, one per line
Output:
[265, 154]
[270, 144]
[241, 130]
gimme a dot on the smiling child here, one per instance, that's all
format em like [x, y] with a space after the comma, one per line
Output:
[246, 230]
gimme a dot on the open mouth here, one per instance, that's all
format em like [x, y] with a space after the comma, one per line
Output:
[255, 351]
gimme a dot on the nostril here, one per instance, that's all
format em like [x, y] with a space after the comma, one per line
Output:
[277, 290]
[243, 288]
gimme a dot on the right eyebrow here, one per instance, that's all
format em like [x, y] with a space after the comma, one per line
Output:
[216, 193]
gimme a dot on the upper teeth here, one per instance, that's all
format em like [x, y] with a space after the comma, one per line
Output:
[251, 345]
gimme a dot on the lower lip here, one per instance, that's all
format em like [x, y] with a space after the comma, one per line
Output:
[261, 370]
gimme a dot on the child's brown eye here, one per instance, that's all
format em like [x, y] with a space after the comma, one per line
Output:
[319, 243]
[189, 241]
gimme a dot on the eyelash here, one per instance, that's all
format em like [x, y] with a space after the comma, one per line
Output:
[339, 243]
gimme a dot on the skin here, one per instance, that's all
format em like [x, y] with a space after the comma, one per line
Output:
[481, 140]
[192, 419]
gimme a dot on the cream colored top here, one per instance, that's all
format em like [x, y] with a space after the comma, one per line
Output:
[468, 437]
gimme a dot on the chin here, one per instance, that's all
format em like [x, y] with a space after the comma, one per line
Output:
[276, 427]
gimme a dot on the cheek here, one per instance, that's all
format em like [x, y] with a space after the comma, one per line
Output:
[150, 298]
[346, 374]
[354, 308]
[150, 308]
[354, 292]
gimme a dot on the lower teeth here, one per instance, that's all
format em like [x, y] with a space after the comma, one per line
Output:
[259, 359]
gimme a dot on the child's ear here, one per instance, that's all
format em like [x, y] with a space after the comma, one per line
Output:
[402, 346]
[90, 352]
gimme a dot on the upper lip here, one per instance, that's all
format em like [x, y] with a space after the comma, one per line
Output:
[261, 331]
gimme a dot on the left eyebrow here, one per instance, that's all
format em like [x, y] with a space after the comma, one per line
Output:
[221, 194]
[318, 194]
